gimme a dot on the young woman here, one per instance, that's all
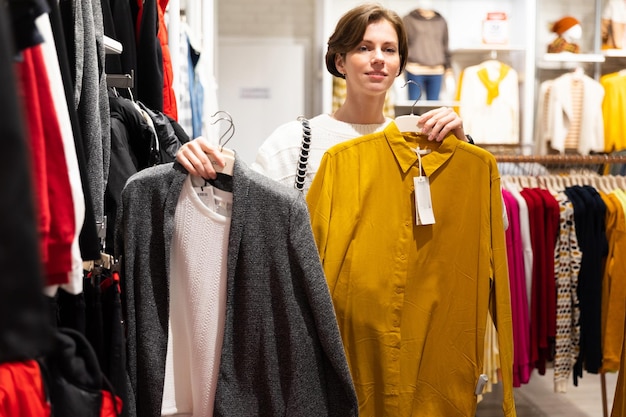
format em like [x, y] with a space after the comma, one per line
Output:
[369, 50]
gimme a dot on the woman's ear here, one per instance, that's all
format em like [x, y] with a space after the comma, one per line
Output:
[339, 64]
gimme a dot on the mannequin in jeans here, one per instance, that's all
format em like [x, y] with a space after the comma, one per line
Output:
[428, 62]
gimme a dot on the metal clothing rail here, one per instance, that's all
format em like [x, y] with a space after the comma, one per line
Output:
[121, 80]
[563, 159]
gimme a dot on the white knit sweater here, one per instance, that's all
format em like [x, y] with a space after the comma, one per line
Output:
[197, 301]
[278, 156]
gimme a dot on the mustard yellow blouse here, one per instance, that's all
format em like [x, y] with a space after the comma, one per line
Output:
[613, 281]
[412, 301]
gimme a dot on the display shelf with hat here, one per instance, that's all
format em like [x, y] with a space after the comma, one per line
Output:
[564, 24]
[569, 32]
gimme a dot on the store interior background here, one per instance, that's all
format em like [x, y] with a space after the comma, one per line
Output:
[268, 63]
[268, 57]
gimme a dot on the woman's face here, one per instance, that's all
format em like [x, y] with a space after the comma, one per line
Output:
[373, 65]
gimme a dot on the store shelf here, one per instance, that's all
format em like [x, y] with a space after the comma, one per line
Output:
[488, 48]
[614, 53]
[571, 57]
[427, 103]
[568, 60]
[111, 46]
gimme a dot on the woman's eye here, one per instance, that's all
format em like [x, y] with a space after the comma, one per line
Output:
[390, 50]
[363, 48]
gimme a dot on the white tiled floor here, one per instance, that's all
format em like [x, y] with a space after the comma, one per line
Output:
[538, 399]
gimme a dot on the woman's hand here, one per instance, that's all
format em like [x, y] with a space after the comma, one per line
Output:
[437, 123]
[198, 157]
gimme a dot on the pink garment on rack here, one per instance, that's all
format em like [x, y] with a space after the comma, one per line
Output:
[522, 367]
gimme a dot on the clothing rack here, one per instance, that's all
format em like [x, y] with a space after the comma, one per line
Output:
[113, 47]
[563, 161]
[121, 80]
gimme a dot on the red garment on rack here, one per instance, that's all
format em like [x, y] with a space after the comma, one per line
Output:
[22, 391]
[169, 97]
[544, 221]
[110, 407]
[53, 195]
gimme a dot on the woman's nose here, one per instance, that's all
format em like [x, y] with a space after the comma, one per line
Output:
[378, 56]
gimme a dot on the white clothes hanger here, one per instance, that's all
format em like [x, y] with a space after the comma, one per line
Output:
[408, 123]
[557, 181]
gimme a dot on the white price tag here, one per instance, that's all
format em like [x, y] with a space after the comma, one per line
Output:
[206, 196]
[423, 205]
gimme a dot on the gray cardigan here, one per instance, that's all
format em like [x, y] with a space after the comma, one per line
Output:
[282, 353]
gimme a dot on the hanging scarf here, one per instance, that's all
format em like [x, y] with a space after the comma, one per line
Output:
[493, 87]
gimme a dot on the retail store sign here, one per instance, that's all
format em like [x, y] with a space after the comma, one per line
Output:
[255, 93]
[496, 29]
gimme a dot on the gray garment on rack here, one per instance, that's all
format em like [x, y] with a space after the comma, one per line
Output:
[618, 169]
[282, 353]
[522, 168]
[91, 99]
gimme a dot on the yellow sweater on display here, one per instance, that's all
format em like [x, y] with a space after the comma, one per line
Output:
[613, 110]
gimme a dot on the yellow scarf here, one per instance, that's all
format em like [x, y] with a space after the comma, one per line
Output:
[493, 87]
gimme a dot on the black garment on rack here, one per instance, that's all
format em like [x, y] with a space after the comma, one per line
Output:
[67, 15]
[136, 146]
[88, 239]
[70, 310]
[96, 314]
[133, 148]
[589, 213]
[73, 380]
[23, 14]
[118, 24]
[169, 134]
[149, 76]
[25, 330]
[105, 328]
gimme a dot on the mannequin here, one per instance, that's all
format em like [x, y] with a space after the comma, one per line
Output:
[569, 32]
[426, 8]
[424, 4]
[429, 55]
[613, 25]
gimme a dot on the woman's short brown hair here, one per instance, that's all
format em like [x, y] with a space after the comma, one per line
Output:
[351, 28]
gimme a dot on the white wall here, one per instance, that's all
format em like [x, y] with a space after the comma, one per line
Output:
[269, 18]
[275, 19]
[265, 45]
[261, 84]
